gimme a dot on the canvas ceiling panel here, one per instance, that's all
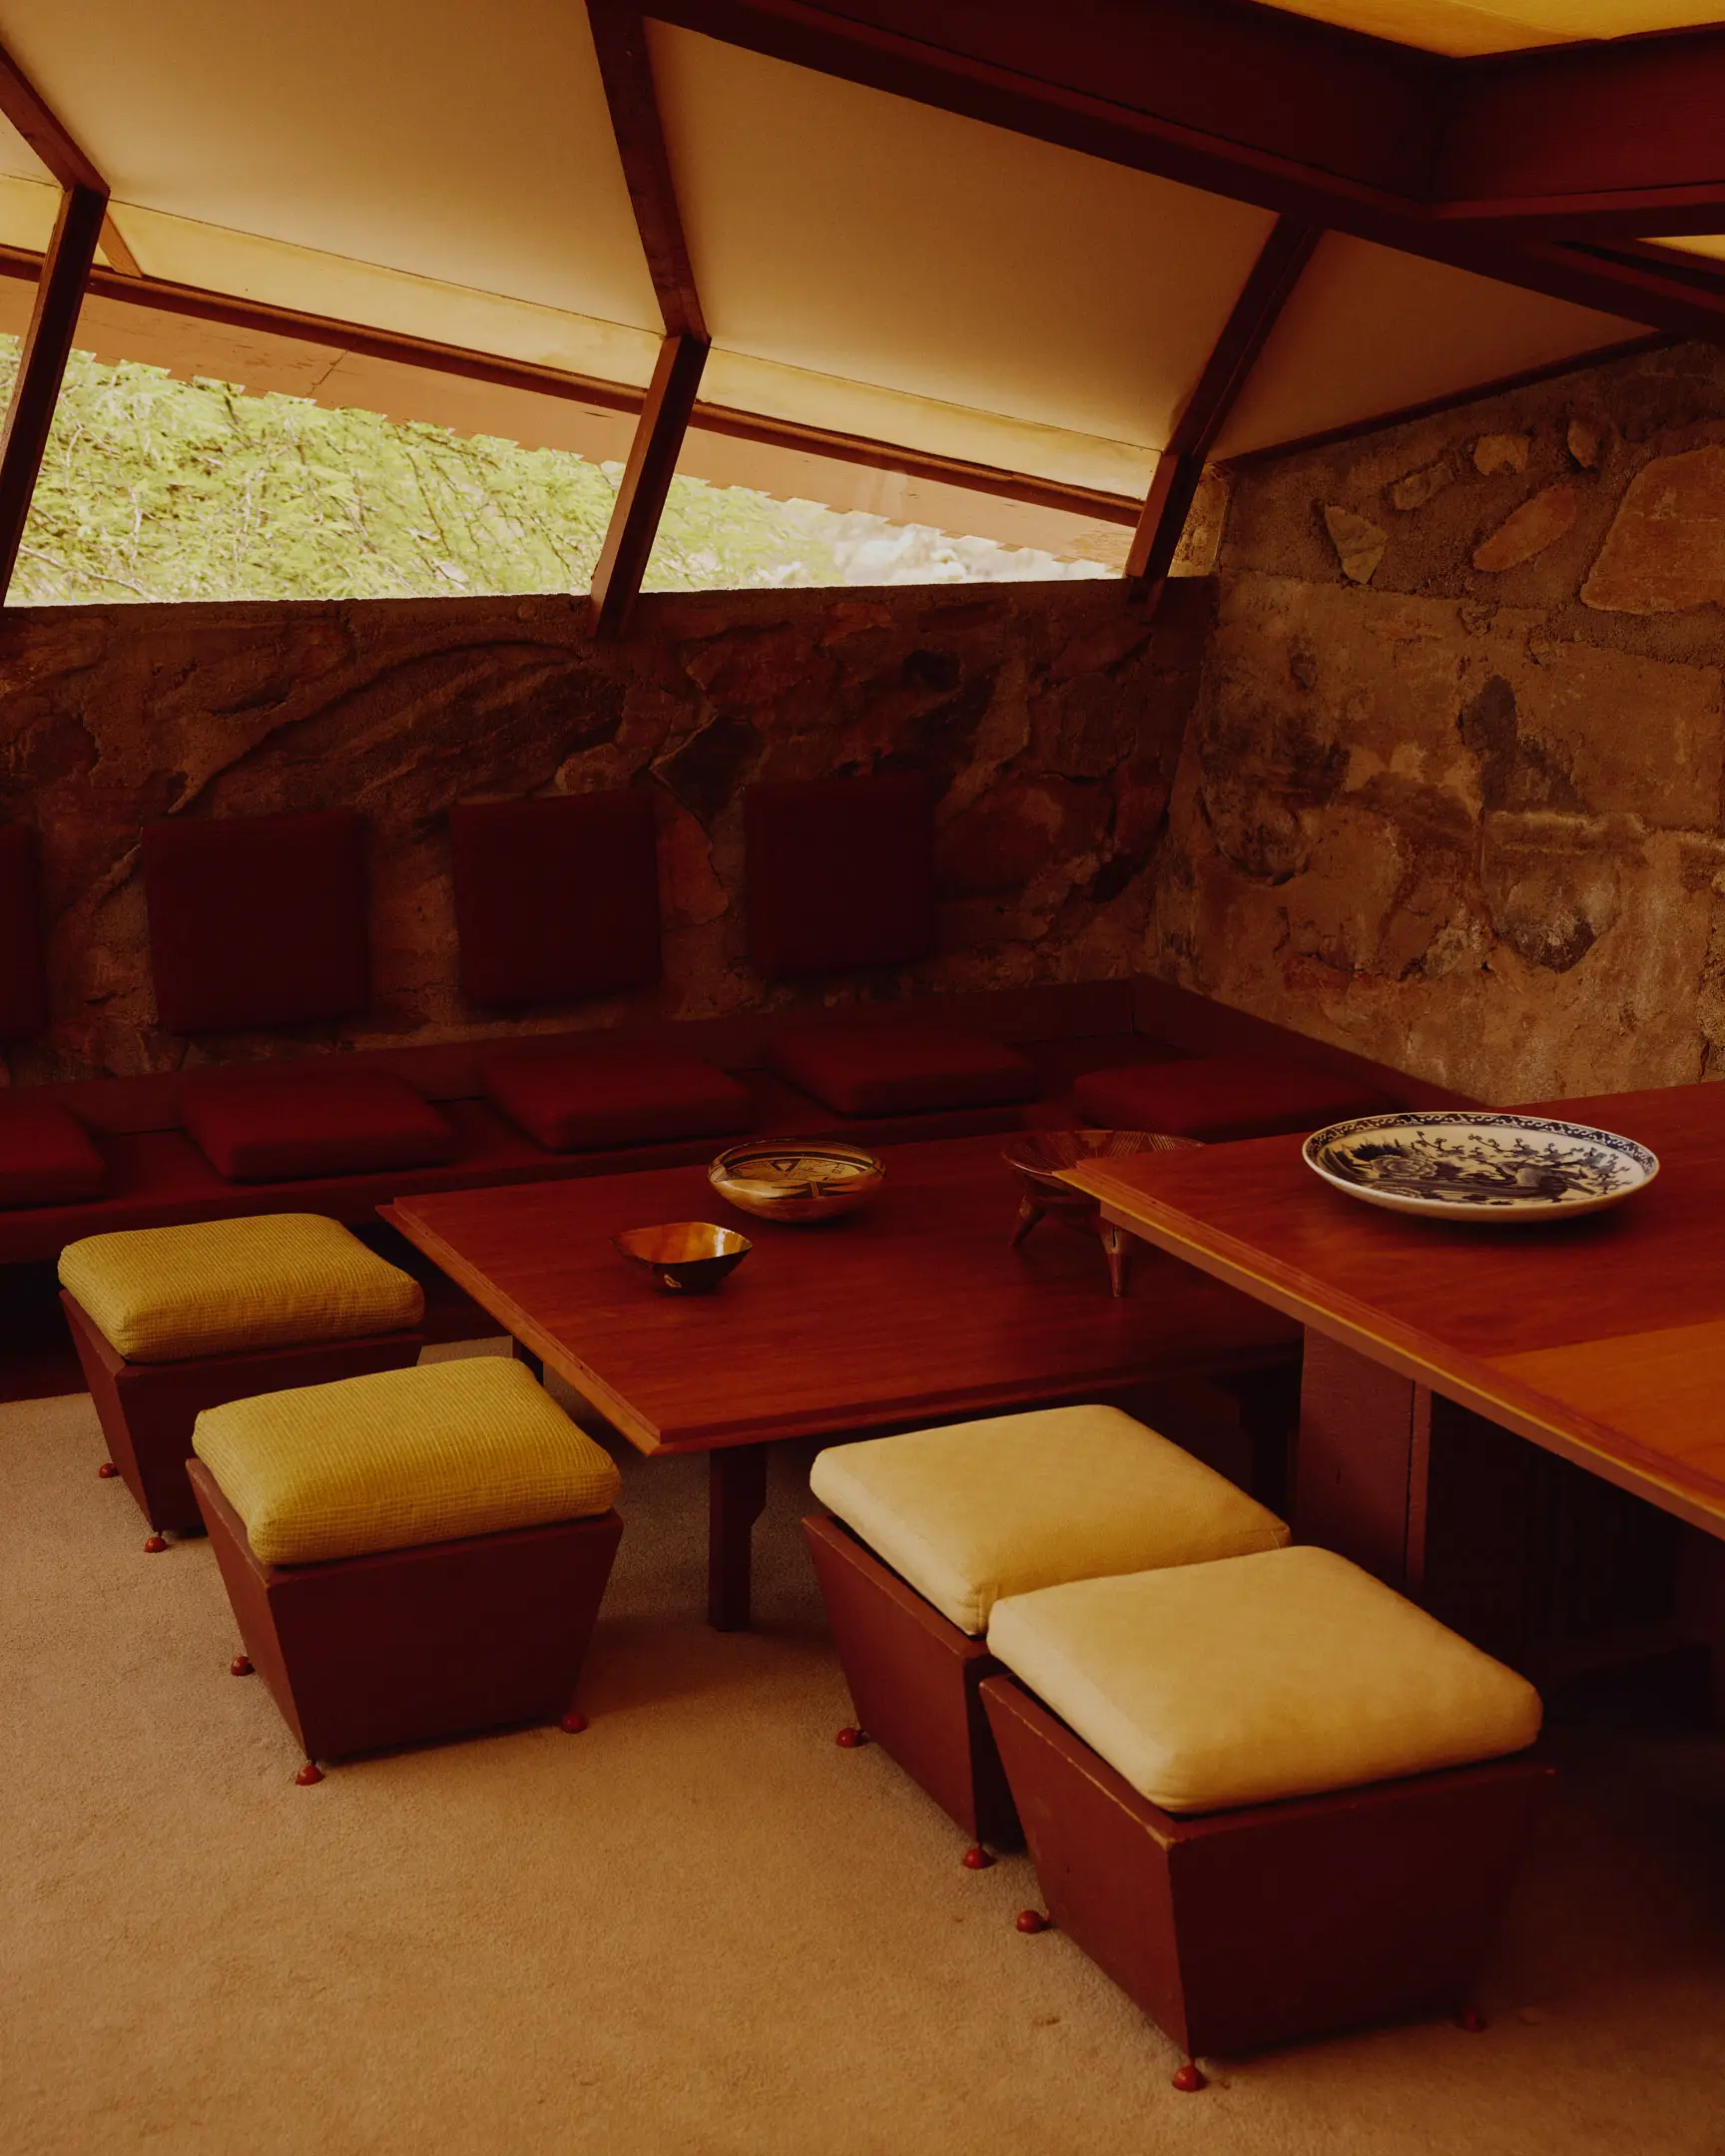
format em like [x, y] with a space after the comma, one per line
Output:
[741, 384]
[470, 144]
[1457, 28]
[1368, 330]
[856, 235]
[28, 209]
[210, 259]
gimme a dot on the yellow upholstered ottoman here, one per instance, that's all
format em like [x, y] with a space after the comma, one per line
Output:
[171, 1321]
[409, 1556]
[932, 1527]
[1269, 1796]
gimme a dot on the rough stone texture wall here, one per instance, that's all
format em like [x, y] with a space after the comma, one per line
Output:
[1050, 716]
[1451, 796]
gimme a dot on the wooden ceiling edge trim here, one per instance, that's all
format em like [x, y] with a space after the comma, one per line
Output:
[646, 482]
[41, 128]
[42, 362]
[1457, 400]
[625, 69]
[1251, 317]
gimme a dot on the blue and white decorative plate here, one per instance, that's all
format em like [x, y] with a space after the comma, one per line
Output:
[1460, 1164]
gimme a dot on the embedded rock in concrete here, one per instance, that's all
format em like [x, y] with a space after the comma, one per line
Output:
[1584, 440]
[1500, 453]
[1359, 543]
[1414, 489]
[1665, 552]
[1529, 530]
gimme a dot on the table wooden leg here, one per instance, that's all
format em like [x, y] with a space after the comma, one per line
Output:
[1361, 1461]
[735, 1498]
[527, 1356]
[1118, 1246]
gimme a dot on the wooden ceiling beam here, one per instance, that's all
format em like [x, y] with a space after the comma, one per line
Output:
[43, 131]
[42, 364]
[1431, 155]
[1181, 466]
[625, 69]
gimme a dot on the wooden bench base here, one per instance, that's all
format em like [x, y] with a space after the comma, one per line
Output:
[408, 1645]
[914, 1678]
[146, 1410]
[1238, 1930]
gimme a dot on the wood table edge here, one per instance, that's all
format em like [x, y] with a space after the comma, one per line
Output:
[1471, 1381]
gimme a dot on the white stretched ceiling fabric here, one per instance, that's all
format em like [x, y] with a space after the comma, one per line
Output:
[1368, 330]
[860, 236]
[1461, 28]
[466, 144]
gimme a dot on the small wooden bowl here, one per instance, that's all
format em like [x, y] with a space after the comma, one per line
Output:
[685, 1257]
[810, 1181]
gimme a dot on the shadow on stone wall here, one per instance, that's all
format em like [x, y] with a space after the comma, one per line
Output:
[1451, 795]
[1050, 716]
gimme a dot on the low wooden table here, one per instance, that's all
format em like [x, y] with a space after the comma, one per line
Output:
[1602, 1340]
[914, 1310]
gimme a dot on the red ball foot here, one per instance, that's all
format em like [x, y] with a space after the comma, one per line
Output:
[107, 1470]
[976, 1858]
[1189, 2078]
[155, 1544]
[310, 1774]
[573, 1723]
[850, 1740]
[1471, 2019]
[1032, 1920]
[241, 1666]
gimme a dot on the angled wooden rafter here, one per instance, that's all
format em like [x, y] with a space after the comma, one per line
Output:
[65, 272]
[1181, 465]
[625, 69]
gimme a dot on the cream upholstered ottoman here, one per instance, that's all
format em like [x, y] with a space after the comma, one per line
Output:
[171, 1321]
[1268, 1795]
[933, 1525]
[409, 1556]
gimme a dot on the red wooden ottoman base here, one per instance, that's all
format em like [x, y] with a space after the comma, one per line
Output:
[1237, 1929]
[146, 1410]
[364, 1653]
[914, 1678]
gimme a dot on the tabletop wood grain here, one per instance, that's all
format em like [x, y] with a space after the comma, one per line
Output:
[915, 1308]
[1601, 1338]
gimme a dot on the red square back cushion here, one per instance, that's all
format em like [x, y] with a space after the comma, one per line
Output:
[23, 977]
[256, 920]
[840, 874]
[556, 898]
[46, 1157]
[1222, 1097]
[279, 1123]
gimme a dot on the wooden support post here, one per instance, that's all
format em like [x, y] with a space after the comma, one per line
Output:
[42, 362]
[645, 483]
[1181, 466]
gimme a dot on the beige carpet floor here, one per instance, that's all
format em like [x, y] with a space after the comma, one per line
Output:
[698, 1927]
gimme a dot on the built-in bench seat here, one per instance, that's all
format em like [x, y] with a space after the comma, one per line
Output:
[155, 1174]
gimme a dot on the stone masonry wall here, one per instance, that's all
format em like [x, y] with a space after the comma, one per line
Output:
[1049, 717]
[1452, 792]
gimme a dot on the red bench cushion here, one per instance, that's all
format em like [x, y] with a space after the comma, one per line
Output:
[1221, 1097]
[279, 1123]
[46, 1157]
[556, 898]
[899, 1069]
[840, 874]
[575, 1097]
[256, 920]
[23, 977]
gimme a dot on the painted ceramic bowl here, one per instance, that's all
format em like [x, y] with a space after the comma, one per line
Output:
[1465, 1165]
[796, 1182]
[1038, 1156]
[685, 1257]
